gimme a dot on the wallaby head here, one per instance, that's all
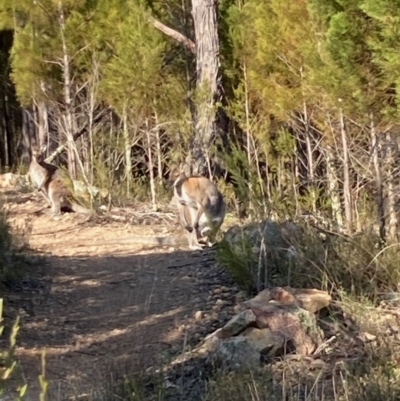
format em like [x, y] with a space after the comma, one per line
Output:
[180, 171]
[174, 172]
[38, 153]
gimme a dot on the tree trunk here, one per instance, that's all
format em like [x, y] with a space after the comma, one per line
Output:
[310, 159]
[207, 69]
[348, 204]
[28, 133]
[378, 178]
[151, 166]
[391, 232]
[68, 123]
[3, 132]
[42, 121]
[128, 151]
[206, 49]
[333, 187]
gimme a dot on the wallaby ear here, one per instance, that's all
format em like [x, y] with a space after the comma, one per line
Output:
[174, 171]
[185, 168]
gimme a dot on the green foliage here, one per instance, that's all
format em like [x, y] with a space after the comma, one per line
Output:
[8, 361]
[244, 268]
[133, 387]
[357, 265]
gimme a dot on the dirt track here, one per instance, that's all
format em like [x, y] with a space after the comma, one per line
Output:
[102, 309]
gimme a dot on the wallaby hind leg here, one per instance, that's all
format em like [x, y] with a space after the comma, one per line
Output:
[44, 195]
[55, 200]
[183, 208]
[193, 241]
[187, 214]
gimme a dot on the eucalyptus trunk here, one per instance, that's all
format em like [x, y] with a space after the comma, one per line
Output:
[207, 70]
[333, 187]
[348, 204]
[378, 178]
[68, 122]
[391, 232]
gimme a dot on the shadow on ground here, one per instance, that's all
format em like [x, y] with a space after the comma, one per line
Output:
[94, 308]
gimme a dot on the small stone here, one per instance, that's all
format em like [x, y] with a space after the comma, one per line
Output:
[223, 315]
[236, 353]
[262, 339]
[239, 323]
[199, 315]
[240, 296]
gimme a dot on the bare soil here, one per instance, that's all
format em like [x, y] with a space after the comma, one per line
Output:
[100, 309]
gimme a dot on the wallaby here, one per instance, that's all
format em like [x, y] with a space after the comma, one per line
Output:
[61, 197]
[190, 193]
[39, 171]
[49, 181]
[201, 206]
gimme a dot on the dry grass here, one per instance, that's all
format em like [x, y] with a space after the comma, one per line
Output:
[361, 357]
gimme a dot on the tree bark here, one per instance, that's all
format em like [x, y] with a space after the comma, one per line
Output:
[206, 50]
[207, 70]
[348, 204]
[333, 187]
[378, 178]
[310, 159]
[128, 151]
[391, 232]
[66, 69]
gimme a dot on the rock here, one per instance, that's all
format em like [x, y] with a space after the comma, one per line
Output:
[235, 353]
[263, 339]
[265, 243]
[277, 236]
[312, 300]
[238, 323]
[240, 296]
[211, 342]
[296, 325]
[199, 315]
[221, 302]
[390, 298]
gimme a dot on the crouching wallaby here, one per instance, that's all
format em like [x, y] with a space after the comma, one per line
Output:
[201, 206]
[50, 183]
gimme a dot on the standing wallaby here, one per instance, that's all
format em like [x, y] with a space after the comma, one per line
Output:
[200, 204]
[49, 181]
[40, 172]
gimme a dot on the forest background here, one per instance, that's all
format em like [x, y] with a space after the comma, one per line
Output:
[291, 105]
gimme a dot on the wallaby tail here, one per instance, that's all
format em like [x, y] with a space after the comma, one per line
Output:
[81, 209]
